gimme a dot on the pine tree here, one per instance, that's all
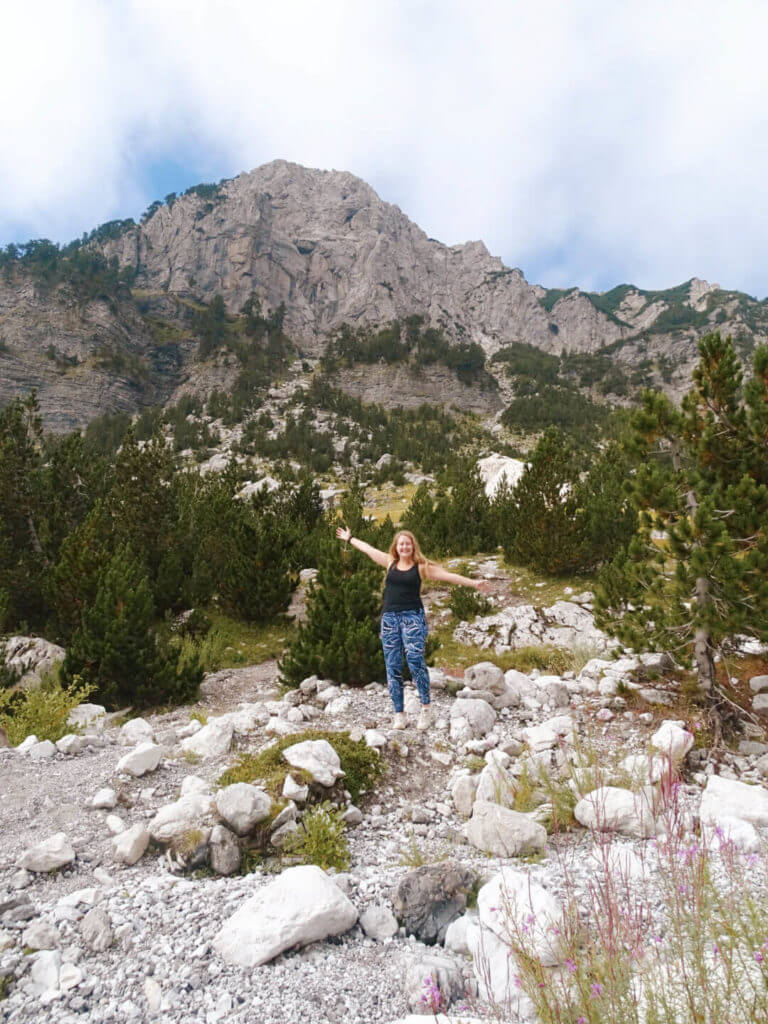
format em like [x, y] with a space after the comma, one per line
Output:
[116, 648]
[539, 522]
[703, 481]
[340, 638]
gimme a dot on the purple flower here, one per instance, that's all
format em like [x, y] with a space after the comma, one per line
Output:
[571, 965]
[581, 1020]
[759, 956]
[596, 989]
[716, 949]
[518, 982]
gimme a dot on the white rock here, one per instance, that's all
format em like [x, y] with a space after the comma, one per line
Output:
[130, 845]
[194, 784]
[485, 676]
[242, 806]
[376, 739]
[733, 831]
[26, 743]
[40, 935]
[378, 922]
[619, 862]
[188, 812]
[31, 656]
[471, 719]
[456, 934]
[104, 799]
[115, 824]
[644, 769]
[759, 684]
[70, 976]
[671, 739]
[496, 470]
[135, 731]
[86, 714]
[301, 906]
[463, 791]
[153, 994]
[7, 941]
[496, 786]
[71, 744]
[727, 798]
[41, 751]
[316, 757]
[213, 740]
[49, 855]
[504, 833]
[613, 809]
[328, 694]
[549, 734]
[144, 758]
[45, 970]
[292, 790]
[96, 930]
[193, 725]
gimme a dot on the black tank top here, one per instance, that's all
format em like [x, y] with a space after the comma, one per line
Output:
[402, 589]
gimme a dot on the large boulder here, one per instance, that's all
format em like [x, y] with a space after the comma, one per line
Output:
[130, 845]
[302, 905]
[727, 798]
[31, 657]
[213, 740]
[613, 809]
[318, 758]
[504, 833]
[428, 899]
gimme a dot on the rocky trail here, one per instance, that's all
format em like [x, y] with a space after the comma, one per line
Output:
[96, 924]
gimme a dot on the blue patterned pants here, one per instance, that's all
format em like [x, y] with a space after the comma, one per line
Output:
[405, 633]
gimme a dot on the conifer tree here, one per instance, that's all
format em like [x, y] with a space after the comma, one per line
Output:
[116, 648]
[340, 638]
[538, 521]
[703, 481]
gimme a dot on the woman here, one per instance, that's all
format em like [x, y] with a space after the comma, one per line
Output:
[403, 623]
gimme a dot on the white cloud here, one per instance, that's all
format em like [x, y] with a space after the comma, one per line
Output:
[587, 143]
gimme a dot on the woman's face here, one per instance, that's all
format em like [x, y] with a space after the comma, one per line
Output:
[404, 547]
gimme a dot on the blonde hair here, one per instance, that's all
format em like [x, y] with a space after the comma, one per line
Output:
[418, 555]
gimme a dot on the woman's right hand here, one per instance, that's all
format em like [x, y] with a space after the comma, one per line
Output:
[343, 533]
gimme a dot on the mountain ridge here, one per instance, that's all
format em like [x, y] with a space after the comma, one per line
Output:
[325, 248]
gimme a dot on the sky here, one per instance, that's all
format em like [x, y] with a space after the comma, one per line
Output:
[589, 143]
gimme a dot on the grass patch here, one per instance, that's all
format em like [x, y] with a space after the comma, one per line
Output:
[453, 657]
[545, 590]
[231, 644]
[361, 764]
[382, 502]
[414, 856]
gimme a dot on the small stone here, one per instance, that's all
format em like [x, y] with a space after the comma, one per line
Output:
[130, 845]
[96, 930]
[41, 751]
[104, 799]
[145, 758]
[378, 922]
[20, 879]
[49, 855]
[41, 935]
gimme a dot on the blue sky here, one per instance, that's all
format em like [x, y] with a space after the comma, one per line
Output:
[589, 143]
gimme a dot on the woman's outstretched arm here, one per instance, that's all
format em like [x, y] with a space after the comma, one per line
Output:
[437, 572]
[380, 557]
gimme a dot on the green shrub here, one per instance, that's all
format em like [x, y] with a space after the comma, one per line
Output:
[42, 712]
[361, 764]
[465, 604]
[321, 839]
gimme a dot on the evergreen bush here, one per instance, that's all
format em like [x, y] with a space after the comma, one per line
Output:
[117, 651]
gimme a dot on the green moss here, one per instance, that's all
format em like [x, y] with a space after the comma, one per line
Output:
[362, 765]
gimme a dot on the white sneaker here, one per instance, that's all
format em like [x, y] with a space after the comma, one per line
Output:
[399, 721]
[425, 717]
